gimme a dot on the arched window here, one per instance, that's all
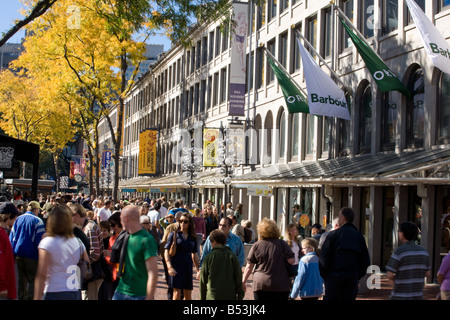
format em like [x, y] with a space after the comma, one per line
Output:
[444, 109]
[365, 120]
[258, 127]
[389, 113]
[282, 134]
[415, 113]
[267, 148]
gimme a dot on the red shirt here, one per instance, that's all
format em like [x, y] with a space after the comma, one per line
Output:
[7, 273]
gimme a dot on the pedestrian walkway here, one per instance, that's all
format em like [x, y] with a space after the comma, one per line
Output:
[430, 290]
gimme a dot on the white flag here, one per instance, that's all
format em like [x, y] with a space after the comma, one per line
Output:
[325, 98]
[435, 44]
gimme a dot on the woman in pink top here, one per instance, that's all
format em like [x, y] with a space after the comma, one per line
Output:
[199, 227]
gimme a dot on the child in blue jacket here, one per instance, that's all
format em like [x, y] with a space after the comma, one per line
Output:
[308, 283]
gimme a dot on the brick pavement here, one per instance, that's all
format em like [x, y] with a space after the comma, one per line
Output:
[430, 290]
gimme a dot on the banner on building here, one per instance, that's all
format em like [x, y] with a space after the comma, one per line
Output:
[71, 170]
[435, 45]
[210, 137]
[325, 98]
[386, 80]
[106, 158]
[148, 147]
[236, 134]
[236, 89]
[295, 100]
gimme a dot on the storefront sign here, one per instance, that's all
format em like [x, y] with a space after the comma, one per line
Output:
[260, 191]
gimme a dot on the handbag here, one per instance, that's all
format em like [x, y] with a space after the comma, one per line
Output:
[173, 246]
[84, 266]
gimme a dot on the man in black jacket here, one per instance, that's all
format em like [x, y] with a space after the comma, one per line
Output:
[344, 259]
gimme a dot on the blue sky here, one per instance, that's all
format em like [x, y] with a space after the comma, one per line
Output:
[9, 11]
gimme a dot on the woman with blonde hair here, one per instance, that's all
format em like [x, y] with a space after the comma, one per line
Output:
[267, 258]
[59, 253]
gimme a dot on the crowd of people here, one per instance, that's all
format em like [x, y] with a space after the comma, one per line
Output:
[79, 248]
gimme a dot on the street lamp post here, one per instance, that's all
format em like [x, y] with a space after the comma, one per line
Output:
[191, 164]
[225, 161]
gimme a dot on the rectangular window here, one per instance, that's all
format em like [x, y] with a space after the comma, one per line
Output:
[389, 16]
[261, 15]
[312, 33]
[247, 81]
[259, 68]
[188, 61]
[272, 9]
[328, 31]
[271, 49]
[296, 58]
[223, 85]
[193, 59]
[216, 89]
[282, 50]
[218, 41]
[196, 98]
[284, 4]
[367, 12]
[204, 50]
[211, 46]
[203, 96]
[443, 5]
[208, 101]
[225, 38]
[198, 57]
[348, 10]
[420, 3]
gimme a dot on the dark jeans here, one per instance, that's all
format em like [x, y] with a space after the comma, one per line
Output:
[64, 295]
[271, 295]
[341, 287]
[26, 269]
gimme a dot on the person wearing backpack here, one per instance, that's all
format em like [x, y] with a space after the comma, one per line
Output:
[249, 235]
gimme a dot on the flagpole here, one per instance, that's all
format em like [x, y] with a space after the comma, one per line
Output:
[283, 69]
[323, 61]
[347, 20]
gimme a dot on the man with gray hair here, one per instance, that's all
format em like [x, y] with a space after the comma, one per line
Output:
[330, 227]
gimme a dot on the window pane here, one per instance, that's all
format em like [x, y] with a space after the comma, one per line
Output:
[444, 108]
[312, 33]
[366, 120]
[368, 18]
[283, 50]
[390, 16]
[282, 135]
[420, 3]
[348, 10]
[389, 110]
[295, 134]
[310, 134]
[327, 38]
[415, 110]
[296, 52]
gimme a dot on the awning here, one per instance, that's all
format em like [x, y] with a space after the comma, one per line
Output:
[425, 166]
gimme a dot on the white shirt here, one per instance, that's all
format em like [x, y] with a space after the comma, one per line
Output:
[104, 214]
[64, 256]
[163, 211]
[154, 216]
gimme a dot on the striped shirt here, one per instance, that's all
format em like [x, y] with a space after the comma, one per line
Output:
[94, 235]
[409, 262]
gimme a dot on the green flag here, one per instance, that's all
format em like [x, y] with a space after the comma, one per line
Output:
[383, 76]
[295, 100]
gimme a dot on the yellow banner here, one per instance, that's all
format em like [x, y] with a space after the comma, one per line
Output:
[210, 137]
[147, 152]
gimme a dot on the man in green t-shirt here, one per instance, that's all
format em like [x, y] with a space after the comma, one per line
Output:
[141, 271]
